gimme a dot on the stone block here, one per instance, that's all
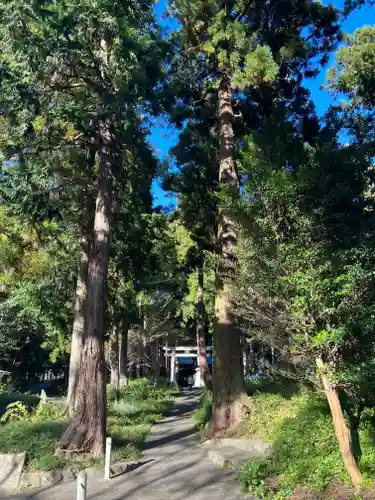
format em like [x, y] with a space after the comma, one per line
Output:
[11, 466]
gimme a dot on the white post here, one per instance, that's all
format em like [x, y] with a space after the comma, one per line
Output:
[173, 367]
[107, 465]
[81, 485]
[166, 360]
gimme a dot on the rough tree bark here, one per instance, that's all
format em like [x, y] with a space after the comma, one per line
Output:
[86, 224]
[341, 429]
[201, 331]
[228, 381]
[86, 432]
[78, 325]
[115, 355]
[124, 353]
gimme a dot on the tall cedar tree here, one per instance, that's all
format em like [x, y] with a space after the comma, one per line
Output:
[94, 64]
[230, 47]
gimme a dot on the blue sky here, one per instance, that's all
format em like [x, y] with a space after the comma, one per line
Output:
[163, 136]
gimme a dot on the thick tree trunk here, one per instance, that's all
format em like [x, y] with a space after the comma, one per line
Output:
[124, 354]
[342, 431]
[115, 355]
[201, 331]
[78, 325]
[228, 381]
[86, 432]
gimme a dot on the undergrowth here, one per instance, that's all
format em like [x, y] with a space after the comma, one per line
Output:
[305, 450]
[37, 430]
[298, 424]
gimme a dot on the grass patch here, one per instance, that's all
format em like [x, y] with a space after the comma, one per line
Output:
[37, 439]
[129, 422]
[305, 450]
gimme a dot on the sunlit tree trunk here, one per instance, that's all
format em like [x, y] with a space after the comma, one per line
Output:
[86, 224]
[228, 380]
[341, 429]
[86, 432]
[78, 325]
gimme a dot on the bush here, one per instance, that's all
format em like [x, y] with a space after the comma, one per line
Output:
[139, 389]
[305, 450]
[143, 389]
[47, 411]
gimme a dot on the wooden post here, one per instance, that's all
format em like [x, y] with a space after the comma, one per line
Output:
[107, 465]
[82, 485]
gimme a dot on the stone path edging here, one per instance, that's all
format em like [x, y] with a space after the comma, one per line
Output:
[50, 478]
[234, 453]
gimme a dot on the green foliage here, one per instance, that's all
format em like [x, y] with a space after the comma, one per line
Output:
[142, 389]
[36, 439]
[15, 411]
[304, 447]
[47, 411]
[37, 275]
[304, 280]
[353, 73]
[259, 69]
[146, 411]
[70, 68]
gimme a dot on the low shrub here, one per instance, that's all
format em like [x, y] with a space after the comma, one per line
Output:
[143, 389]
[48, 411]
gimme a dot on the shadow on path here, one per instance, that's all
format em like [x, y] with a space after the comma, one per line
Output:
[170, 438]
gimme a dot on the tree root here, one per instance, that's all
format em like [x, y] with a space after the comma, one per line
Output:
[247, 402]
